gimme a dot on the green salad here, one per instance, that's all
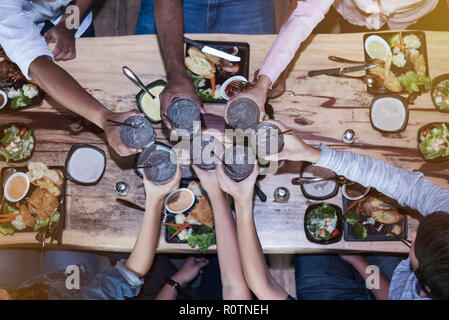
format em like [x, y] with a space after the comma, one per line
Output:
[321, 223]
[16, 143]
[434, 142]
[412, 81]
[205, 94]
[198, 235]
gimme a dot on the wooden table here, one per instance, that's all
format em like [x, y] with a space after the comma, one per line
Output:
[320, 109]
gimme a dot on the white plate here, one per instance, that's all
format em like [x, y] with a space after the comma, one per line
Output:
[228, 81]
[20, 174]
[5, 99]
[381, 41]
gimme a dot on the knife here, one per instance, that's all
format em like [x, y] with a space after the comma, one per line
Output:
[212, 51]
[129, 204]
[314, 73]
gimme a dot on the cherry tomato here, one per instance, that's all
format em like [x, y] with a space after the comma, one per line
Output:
[335, 233]
[22, 132]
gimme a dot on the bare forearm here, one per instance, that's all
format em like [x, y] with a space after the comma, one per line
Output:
[167, 293]
[255, 268]
[142, 256]
[232, 278]
[169, 24]
[381, 293]
[64, 89]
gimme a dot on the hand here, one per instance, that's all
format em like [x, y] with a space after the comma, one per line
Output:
[191, 268]
[295, 149]
[278, 88]
[112, 131]
[242, 191]
[208, 181]
[155, 193]
[64, 38]
[258, 93]
[178, 87]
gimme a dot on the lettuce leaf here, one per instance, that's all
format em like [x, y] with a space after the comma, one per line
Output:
[412, 81]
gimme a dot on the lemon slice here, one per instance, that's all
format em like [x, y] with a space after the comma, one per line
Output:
[152, 107]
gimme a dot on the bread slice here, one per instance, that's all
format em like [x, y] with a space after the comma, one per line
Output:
[198, 63]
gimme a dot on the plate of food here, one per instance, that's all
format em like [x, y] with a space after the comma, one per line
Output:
[33, 200]
[404, 67]
[433, 141]
[17, 142]
[9, 71]
[361, 215]
[150, 107]
[209, 72]
[194, 222]
[440, 92]
[323, 223]
[20, 92]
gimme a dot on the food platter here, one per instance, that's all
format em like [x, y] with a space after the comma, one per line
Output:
[440, 143]
[16, 135]
[170, 218]
[371, 233]
[403, 53]
[217, 68]
[37, 206]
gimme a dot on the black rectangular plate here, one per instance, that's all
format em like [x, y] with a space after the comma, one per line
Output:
[227, 47]
[184, 184]
[61, 198]
[373, 235]
[396, 70]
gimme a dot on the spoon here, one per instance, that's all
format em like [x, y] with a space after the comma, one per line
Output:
[372, 61]
[134, 78]
[371, 80]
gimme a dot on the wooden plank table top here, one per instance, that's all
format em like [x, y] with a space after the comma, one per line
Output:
[320, 109]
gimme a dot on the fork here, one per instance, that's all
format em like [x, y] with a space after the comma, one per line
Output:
[383, 229]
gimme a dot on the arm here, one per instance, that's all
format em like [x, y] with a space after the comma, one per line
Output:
[64, 37]
[188, 272]
[64, 89]
[257, 275]
[232, 277]
[142, 256]
[298, 27]
[408, 188]
[124, 280]
[169, 24]
[361, 264]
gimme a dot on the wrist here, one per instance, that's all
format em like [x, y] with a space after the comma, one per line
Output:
[263, 83]
[179, 279]
[313, 154]
[243, 205]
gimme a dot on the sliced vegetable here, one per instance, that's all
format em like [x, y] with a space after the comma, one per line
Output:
[351, 217]
[359, 231]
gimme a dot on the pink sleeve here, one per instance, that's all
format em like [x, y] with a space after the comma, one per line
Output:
[298, 27]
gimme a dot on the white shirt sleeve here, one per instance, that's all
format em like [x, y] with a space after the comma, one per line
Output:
[20, 37]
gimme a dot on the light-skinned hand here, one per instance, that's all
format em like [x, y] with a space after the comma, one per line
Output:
[155, 193]
[295, 149]
[242, 191]
[258, 93]
[208, 181]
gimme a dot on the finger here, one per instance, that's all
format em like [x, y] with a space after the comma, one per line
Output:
[58, 49]
[48, 37]
[281, 125]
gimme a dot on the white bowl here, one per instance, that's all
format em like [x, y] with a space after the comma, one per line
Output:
[228, 81]
[343, 190]
[381, 41]
[176, 191]
[5, 99]
[17, 174]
